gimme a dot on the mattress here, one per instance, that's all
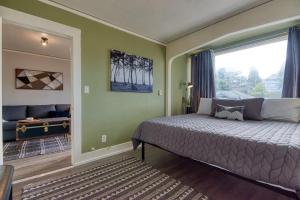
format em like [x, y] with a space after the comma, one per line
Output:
[267, 151]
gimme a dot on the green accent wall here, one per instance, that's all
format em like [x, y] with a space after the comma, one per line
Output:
[179, 74]
[116, 114]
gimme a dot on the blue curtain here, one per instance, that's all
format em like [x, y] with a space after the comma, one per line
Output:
[203, 77]
[291, 80]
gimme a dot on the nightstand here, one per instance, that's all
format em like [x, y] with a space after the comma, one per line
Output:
[188, 110]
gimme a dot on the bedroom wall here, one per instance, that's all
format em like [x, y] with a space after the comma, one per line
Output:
[116, 114]
[179, 74]
[13, 96]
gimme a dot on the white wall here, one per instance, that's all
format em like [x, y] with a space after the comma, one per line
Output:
[266, 15]
[12, 96]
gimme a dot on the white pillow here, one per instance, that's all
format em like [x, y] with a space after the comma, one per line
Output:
[285, 109]
[205, 106]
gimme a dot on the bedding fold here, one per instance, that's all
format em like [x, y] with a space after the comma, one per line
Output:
[267, 151]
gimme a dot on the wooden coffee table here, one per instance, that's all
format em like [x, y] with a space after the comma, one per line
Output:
[24, 125]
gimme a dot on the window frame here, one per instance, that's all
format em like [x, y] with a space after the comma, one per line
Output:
[250, 44]
[246, 45]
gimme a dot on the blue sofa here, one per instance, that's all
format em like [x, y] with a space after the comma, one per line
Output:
[11, 114]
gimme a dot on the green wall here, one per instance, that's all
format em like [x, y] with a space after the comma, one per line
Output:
[179, 74]
[104, 112]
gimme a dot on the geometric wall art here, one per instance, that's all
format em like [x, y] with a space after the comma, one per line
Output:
[38, 80]
[131, 73]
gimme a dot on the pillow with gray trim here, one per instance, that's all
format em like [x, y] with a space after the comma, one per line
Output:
[252, 106]
[228, 112]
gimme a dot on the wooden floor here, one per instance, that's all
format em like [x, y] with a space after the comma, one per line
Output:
[215, 183]
[28, 167]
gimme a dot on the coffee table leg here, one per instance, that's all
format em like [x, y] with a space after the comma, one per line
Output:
[67, 137]
[19, 142]
[17, 131]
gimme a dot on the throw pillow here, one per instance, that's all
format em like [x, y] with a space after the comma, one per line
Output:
[252, 106]
[204, 106]
[227, 112]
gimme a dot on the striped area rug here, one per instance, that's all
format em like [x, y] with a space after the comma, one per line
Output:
[29, 148]
[119, 179]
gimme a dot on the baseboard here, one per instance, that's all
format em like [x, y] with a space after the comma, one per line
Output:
[41, 175]
[103, 153]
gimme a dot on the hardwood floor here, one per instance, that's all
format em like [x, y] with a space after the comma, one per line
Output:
[215, 183]
[28, 167]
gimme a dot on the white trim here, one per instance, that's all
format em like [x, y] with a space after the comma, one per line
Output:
[34, 54]
[250, 44]
[104, 152]
[99, 20]
[40, 24]
[168, 100]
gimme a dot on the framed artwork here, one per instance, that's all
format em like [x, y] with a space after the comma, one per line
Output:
[38, 80]
[130, 73]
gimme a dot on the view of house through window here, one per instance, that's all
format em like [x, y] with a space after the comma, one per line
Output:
[253, 72]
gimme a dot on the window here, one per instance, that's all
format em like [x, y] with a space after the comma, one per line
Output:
[252, 72]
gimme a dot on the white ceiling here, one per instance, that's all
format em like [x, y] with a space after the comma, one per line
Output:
[161, 20]
[17, 38]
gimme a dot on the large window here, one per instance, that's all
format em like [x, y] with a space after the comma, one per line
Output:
[252, 72]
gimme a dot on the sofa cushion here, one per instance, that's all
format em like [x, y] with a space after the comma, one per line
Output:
[14, 113]
[39, 111]
[53, 114]
[252, 106]
[62, 107]
[9, 135]
[10, 125]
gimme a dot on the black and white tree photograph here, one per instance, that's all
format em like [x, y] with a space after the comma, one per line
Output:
[130, 73]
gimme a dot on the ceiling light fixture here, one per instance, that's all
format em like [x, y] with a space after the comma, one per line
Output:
[44, 41]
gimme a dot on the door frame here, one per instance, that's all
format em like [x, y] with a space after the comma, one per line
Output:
[11, 16]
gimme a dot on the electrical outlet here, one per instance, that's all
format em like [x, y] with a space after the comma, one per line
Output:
[86, 89]
[160, 93]
[103, 139]
[93, 149]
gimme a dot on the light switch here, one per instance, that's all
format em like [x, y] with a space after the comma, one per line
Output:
[160, 92]
[86, 89]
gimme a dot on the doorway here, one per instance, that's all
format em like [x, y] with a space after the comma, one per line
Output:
[16, 18]
[36, 88]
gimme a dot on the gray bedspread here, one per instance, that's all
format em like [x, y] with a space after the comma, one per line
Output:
[267, 151]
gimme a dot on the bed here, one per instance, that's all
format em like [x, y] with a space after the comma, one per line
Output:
[266, 151]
